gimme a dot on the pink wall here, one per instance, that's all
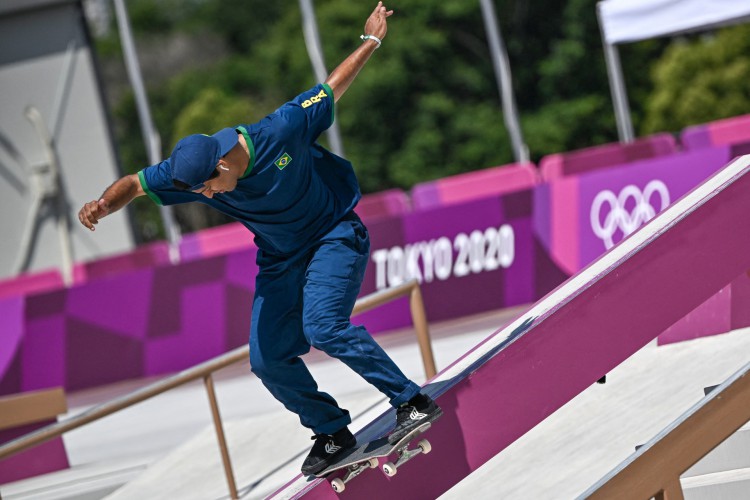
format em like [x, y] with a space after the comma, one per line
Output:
[585, 160]
[733, 130]
[474, 185]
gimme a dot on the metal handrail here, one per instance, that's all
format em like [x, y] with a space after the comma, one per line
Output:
[207, 368]
[655, 470]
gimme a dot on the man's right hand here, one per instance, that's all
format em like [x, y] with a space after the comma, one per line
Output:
[91, 212]
[114, 198]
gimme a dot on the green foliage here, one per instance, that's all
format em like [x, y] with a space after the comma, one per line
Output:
[569, 125]
[701, 80]
[211, 110]
[426, 105]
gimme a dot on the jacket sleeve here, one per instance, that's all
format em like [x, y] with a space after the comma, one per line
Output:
[156, 181]
[309, 114]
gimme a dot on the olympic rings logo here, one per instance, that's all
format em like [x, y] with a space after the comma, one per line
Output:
[618, 215]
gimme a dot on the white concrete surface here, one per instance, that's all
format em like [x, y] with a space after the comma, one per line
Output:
[577, 445]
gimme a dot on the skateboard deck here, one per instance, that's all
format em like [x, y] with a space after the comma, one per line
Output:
[367, 455]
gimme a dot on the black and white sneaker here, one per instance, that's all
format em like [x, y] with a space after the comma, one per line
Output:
[419, 410]
[326, 448]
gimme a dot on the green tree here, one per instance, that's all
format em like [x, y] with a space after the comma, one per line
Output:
[426, 105]
[701, 79]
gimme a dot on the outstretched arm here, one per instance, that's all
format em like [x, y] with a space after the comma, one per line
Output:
[344, 74]
[116, 196]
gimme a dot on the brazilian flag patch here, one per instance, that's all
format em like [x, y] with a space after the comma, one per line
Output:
[283, 161]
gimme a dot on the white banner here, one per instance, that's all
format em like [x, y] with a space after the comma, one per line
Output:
[632, 20]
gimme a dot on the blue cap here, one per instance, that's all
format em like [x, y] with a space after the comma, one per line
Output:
[195, 157]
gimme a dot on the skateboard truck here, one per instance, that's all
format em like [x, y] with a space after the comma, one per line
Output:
[404, 455]
[339, 484]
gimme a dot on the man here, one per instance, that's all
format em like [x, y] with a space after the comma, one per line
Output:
[297, 198]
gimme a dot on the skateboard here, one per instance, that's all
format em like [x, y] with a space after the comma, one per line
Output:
[367, 455]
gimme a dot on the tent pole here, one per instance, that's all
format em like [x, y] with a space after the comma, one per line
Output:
[617, 86]
[619, 94]
[151, 136]
[504, 81]
[315, 52]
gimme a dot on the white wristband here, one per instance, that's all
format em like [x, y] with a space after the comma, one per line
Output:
[371, 37]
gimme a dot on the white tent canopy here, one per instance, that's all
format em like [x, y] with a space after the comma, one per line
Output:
[624, 21]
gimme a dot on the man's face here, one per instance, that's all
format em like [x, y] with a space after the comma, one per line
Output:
[222, 183]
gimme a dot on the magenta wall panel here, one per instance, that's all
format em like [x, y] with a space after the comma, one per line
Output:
[143, 323]
[31, 283]
[565, 342]
[494, 181]
[717, 133]
[383, 204]
[42, 459]
[214, 241]
[606, 155]
[580, 217]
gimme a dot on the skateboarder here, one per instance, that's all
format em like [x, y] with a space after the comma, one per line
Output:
[298, 200]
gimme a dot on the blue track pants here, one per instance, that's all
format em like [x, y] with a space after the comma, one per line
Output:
[306, 301]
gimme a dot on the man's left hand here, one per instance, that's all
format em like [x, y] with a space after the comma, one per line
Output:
[376, 24]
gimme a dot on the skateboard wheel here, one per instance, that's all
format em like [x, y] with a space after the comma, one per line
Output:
[389, 469]
[373, 463]
[338, 485]
[425, 446]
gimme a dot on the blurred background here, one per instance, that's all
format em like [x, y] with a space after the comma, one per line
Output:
[427, 105]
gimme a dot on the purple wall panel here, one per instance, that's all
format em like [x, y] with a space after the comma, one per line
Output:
[425, 195]
[42, 459]
[696, 137]
[119, 304]
[563, 214]
[13, 329]
[200, 335]
[136, 324]
[149, 255]
[43, 353]
[615, 203]
[572, 337]
[720, 132]
[474, 247]
[606, 155]
[26, 284]
[241, 269]
[97, 356]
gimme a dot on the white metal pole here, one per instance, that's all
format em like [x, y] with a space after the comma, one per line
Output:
[616, 85]
[315, 52]
[504, 81]
[150, 134]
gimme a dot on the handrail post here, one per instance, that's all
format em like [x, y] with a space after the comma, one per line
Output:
[208, 379]
[672, 490]
[419, 318]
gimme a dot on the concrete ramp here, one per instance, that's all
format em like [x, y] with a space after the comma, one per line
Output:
[594, 321]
